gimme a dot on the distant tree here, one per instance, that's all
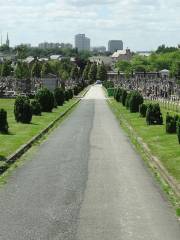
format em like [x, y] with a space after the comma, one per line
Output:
[86, 71]
[46, 68]
[92, 73]
[6, 69]
[102, 72]
[36, 69]
[22, 70]
[74, 73]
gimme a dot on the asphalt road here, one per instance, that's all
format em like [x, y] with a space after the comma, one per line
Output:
[86, 182]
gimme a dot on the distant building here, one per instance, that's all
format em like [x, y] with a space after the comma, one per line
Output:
[101, 59]
[66, 45]
[46, 45]
[144, 53]
[124, 55]
[114, 45]
[82, 42]
[7, 41]
[100, 49]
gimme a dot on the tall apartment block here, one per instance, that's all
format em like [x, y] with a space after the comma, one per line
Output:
[114, 45]
[82, 42]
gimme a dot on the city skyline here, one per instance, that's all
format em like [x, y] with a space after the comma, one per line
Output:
[142, 25]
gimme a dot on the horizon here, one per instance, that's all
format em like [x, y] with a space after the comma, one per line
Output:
[141, 25]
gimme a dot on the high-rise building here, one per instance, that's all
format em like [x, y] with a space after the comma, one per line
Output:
[114, 45]
[82, 42]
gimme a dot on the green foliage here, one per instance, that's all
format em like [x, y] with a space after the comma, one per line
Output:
[76, 90]
[22, 109]
[142, 110]
[123, 97]
[68, 94]
[74, 73]
[6, 69]
[86, 71]
[154, 115]
[36, 69]
[178, 129]
[111, 92]
[92, 73]
[36, 108]
[46, 99]
[59, 96]
[124, 66]
[135, 101]
[102, 72]
[46, 68]
[171, 122]
[118, 94]
[108, 84]
[127, 102]
[22, 71]
[164, 49]
[3, 121]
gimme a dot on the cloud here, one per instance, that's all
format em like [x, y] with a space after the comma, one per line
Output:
[134, 21]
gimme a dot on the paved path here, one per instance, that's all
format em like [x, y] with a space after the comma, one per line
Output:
[85, 183]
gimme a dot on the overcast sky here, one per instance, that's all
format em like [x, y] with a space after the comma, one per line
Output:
[141, 24]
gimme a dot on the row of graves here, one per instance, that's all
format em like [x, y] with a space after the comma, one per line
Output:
[10, 86]
[153, 85]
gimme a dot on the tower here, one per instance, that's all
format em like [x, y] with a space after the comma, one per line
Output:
[7, 41]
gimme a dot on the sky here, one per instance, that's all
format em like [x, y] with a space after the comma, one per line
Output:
[141, 24]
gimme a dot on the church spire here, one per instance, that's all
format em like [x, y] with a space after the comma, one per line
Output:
[7, 40]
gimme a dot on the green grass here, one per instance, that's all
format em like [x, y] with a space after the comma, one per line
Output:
[20, 133]
[164, 146]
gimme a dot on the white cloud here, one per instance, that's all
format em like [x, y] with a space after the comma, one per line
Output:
[140, 23]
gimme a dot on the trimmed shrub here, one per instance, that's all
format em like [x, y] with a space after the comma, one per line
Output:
[123, 97]
[154, 115]
[178, 129]
[36, 108]
[108, 84]
[3, 121]
[171, 122]
[142, 110]
[59, 96]
[22, 109]
[70, 92]
[46, 99]
[127, 100]
[76, 90]
[136, 99]
[66, 94]
[111, 92]
[118, 94]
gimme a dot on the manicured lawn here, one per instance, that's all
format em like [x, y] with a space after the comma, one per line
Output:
[20, 133]
[164, 146]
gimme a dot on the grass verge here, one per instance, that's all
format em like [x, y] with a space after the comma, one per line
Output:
[164, 146]
[20, 133]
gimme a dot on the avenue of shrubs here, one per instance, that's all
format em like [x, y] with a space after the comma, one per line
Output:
[43, 101]
[151, 112]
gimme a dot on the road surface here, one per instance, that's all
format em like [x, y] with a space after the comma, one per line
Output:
[86, 182]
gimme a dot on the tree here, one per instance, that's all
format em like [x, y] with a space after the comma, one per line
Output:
[74, 73]
[3, 121]
[22, 71]
[59, 96]
[22, 109]
[6, 69]
[45, 69]
[124, 66]
[46, 99]
[102, 72]
[36, 69]
[135, 101]
[86, 71]
[92, 73]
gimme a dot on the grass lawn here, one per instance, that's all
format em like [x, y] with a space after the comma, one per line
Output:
[20, 133]
[164, 146]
